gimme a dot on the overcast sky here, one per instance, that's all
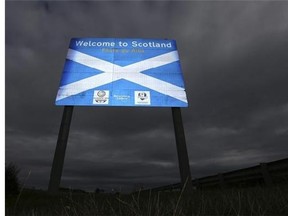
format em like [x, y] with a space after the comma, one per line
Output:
[235, 63]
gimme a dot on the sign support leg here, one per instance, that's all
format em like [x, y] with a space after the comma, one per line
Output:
[58, 161]
[183, 159]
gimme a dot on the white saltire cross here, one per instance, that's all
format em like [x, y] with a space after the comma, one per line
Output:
[113, 72]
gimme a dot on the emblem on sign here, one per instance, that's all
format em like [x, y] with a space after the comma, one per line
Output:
[101, 97]
[142, 98]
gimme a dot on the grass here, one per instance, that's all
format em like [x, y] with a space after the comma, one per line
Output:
[245, 201]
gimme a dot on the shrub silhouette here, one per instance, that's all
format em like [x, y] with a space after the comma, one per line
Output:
[12, 185]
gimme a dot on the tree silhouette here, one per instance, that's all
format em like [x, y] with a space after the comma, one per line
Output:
[12, 184]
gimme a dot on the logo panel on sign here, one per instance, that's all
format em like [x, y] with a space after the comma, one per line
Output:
[142, 97]
[101, 97]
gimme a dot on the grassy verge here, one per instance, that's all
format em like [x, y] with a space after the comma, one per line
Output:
[249, 201]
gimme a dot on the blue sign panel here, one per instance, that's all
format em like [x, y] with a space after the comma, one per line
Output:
[122, 72]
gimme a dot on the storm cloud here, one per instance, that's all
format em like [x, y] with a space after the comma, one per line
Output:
[234, 60]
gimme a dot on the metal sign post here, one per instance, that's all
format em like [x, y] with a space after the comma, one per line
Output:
[183, 159]
[58, 161]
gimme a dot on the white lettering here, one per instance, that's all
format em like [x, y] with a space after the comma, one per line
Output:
[134, 44]
[95, 44]
[79, 43]
[151, 44]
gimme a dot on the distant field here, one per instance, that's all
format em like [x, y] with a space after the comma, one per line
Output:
[249, 201]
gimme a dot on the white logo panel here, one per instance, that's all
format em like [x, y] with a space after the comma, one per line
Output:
[101, 97]
[142, 97]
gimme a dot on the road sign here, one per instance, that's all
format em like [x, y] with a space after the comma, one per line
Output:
[122, 72]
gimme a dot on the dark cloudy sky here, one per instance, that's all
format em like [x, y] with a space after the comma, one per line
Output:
[234, 57]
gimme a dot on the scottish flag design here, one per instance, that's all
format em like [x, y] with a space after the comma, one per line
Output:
[122, 72]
